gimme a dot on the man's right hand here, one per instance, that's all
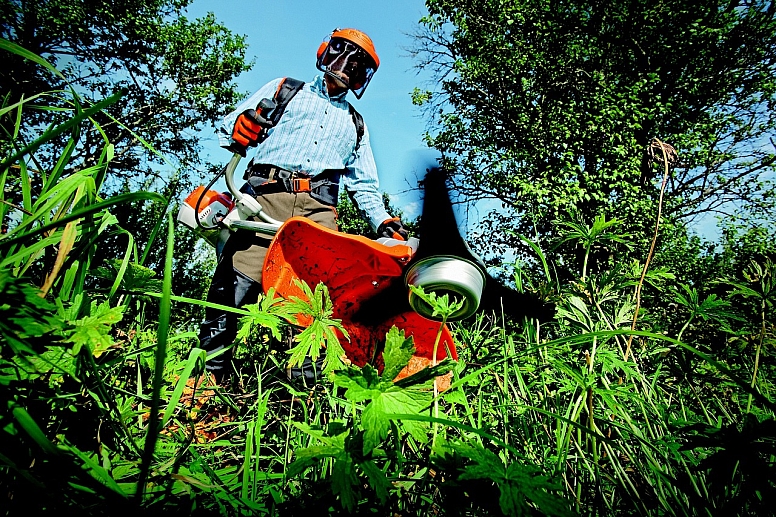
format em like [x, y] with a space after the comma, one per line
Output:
[247, 128]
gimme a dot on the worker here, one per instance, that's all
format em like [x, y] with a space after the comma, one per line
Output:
[318, 143]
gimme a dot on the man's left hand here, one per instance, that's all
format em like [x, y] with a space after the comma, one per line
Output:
[393, 229]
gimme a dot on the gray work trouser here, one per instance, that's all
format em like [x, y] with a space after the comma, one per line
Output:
[237, 278]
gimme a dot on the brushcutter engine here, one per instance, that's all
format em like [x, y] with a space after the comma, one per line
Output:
[203, 210]
[207, 212]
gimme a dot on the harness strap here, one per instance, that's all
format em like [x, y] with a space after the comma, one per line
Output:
[287, 90]
[325, 186]
[269, 179]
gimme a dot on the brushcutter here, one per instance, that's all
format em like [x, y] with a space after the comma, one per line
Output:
[441, 261]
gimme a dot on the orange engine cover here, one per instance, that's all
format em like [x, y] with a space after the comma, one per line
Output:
[354, 269]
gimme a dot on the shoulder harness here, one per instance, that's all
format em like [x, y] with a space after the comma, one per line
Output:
[286, 91]
[325, 186]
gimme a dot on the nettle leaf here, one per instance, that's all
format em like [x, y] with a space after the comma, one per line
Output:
[363, 384]
[518, 483]
[333, 445]
[442, 306]
[377, 479]
[344, 477]
[333, 436]
[136, 278]
[577, 311]
[526, 482]
[320, 333]
[375, 419]
[24, 314]
[257, 318]
[308, 457]
[93, 330]
[398, 352]
[410, 395]
[457, 396]
[52, 364]
[387, 399]
[343, 480]
[269, 312]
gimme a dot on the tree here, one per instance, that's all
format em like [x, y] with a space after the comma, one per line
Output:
[549, 106]
[176, 76]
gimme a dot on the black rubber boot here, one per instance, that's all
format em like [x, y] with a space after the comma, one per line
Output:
[307, 374]
[217, 332]
[310, 371]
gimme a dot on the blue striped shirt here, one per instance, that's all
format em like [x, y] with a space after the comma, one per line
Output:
[316, 133]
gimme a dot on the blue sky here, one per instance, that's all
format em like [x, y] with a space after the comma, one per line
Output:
[283, 37]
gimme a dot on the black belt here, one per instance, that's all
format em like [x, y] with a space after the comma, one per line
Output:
[268, 179]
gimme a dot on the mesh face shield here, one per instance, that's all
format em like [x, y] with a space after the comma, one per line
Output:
[348, 63]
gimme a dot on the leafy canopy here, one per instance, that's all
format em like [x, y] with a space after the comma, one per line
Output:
[550, 106]
[176, 74]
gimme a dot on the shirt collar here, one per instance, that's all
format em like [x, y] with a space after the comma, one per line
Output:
[319, 86]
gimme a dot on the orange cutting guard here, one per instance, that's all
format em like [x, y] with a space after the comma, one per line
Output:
[354, 269]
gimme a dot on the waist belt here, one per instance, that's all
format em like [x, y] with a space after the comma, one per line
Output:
[269, 179]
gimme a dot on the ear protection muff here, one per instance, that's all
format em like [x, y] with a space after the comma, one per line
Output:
[322, 47]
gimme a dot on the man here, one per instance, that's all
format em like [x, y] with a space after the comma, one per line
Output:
[317, 144]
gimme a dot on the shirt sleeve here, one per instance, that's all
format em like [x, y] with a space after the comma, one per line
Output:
[224, 131]
[360, 180]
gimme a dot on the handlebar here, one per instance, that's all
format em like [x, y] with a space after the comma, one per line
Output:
[246, 207]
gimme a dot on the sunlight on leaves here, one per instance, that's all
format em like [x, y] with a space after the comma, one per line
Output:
[93, 331]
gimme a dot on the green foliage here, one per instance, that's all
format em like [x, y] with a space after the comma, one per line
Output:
[589, 236]
[176, 77]
[397, 353]
[134, 278]
[518, 484]
[442, 306]
[742, 453]
[760, 286]
[350, 220]
[385, 396]
[551, 107]
[360, 444]
[344, 478]
[193, 261]
[175, 74]
[25, 314]
[319, 333]
[92, 330]
[711, 308]
[268, 313]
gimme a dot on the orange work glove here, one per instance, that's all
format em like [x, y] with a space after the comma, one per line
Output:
[393, 229]
[247, 130]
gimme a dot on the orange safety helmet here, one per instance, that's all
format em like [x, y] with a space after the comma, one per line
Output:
[352, 52]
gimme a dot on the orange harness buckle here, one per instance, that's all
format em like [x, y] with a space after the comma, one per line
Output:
[301, 184]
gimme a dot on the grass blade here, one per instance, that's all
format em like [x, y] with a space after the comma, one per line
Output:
[161, 353]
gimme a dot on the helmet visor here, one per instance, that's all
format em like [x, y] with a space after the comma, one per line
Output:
[348, 63]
